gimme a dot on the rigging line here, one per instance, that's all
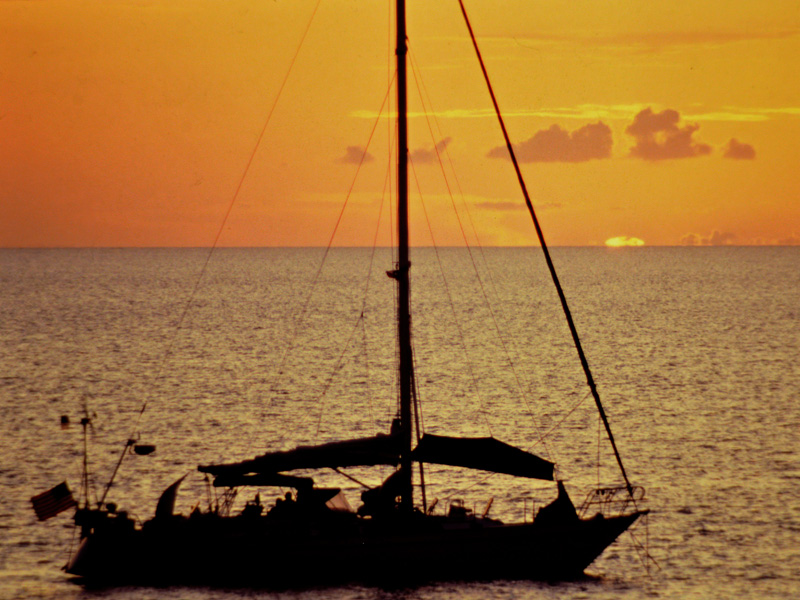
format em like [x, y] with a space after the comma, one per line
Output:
[336, 368]
[573, 330]
[386, 189]
[419, 426]
[351, 478]
[475, 483]
[419, 417]
[474, 378]
[304, 309]
[227, 214]
[392, 209]
[492, 284]
[370, 412]
[564, 418]
[487, 303]
[423, 89]
[391, 124]
[646, 546]
[269, 118]
[599, 431]
[643, 548]
[222, 226]
[394, 262]
[419, 421]
[325, 255]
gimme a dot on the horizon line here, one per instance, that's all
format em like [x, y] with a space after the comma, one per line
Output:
[277, 247]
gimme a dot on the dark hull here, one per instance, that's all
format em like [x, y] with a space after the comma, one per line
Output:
[242, 552]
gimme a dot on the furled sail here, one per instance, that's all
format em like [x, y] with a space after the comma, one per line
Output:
[484, 453]
[370, 451]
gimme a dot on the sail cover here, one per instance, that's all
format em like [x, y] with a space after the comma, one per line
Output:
[377, 450]
[484, 453]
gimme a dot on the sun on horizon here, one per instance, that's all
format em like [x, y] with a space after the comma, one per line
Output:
[623, 240]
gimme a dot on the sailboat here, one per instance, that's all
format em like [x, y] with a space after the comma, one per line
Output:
[312, 537]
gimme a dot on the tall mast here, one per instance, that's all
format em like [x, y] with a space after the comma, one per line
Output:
[403, 264]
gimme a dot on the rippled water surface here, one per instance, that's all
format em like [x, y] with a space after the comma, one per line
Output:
[695, 352]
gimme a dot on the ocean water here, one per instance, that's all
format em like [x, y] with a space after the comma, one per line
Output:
[695, 352]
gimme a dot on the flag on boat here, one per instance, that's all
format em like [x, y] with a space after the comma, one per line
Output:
[50, 503]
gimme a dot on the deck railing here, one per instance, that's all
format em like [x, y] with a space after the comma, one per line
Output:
[608, 501]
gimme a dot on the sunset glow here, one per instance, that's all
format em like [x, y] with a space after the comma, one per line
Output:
[622, 240]
[133, 123]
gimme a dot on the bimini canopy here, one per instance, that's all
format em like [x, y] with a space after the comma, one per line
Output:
[484, 453]
[263, 480]
[367, 452]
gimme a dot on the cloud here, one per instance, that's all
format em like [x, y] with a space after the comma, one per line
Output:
[792, 240]
[690, 239]
[559, 145]
[658, 136]
[720, 238]
[716, 238]
[354, 156]
[426, 156]
[740, 151]
[501, 206]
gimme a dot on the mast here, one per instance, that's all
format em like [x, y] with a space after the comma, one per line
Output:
[403, 289]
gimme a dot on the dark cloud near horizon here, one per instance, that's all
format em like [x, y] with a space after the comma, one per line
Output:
[717, 238]
[354, 156]
[589, 142]
[792, 240]
[739, 151]
[658, 136]
[426, 156]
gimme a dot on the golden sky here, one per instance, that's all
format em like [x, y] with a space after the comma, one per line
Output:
[131, 123]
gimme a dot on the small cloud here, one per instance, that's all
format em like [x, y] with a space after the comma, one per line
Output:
[355, 155]
[792, 240]
[690, 239]
[426, 156]
[716, 238]
[591, 141]
[623, 240]
[658, 136]
[501, 206]
[720, 238]
[740, 151]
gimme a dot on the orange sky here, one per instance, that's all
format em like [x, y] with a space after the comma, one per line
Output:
[130, 123]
